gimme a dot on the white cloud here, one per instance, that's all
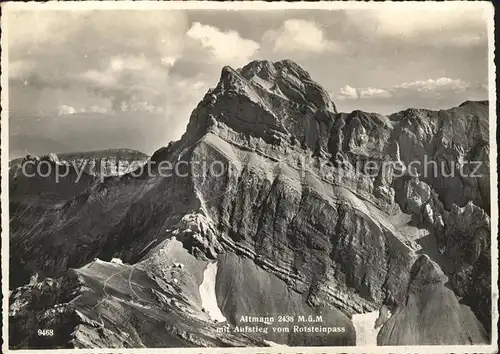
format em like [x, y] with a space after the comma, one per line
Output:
[443, 83]
[98, 109]
[445, 24]
[133, 82]
[227, 47]
[169, 60]
[118, 63]
[102, 78]
[467, 39]
[33, 28]
[299, 36]
[407, 21]
[65, 109]
[97, 55]
[347, 93]
[373, 92]
[143, 106]
[428, 87]
[20, 68]
[351, 93]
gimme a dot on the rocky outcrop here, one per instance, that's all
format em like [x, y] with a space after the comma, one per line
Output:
[64, 176]
[450, 150]
[467, 242]
[273, 183]
[115, 305]
[460, 241]
[430, 313]
[38, 313]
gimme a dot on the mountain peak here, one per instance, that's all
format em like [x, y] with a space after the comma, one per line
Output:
[284, 79]
[265, 99]
[269, 70]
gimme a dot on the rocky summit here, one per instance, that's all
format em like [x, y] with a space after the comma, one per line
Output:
[271, 231]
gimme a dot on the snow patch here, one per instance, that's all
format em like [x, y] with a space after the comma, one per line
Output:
[207, 293]
[274, 344]
[364, 324]
[116, 260]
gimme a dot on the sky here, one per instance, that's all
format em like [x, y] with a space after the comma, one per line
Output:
[86, 80]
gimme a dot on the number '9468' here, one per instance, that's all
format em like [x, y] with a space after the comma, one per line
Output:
[48, 332]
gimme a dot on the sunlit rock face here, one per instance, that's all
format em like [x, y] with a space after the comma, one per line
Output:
[431, 313]
[272, 189]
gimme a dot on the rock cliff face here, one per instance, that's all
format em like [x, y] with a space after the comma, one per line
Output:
[431, 313]
[273, 184]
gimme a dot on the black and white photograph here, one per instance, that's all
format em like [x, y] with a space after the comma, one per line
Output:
[249, 177]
